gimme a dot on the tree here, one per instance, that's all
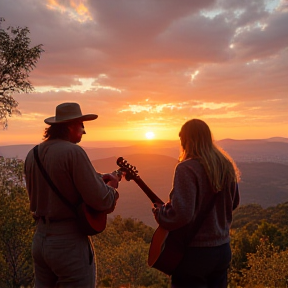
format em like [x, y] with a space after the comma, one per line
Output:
[16, 227]
[17, 60]
[122, 251]
[267, 267]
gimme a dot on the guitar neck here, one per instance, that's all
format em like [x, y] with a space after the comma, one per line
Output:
[151, 195]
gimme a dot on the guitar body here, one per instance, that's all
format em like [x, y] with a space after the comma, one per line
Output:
[167, 249]
[91, 222]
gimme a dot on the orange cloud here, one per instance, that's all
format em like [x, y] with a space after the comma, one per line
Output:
[154, 64]
[75, 9]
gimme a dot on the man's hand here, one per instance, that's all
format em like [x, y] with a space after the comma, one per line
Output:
[111, 179]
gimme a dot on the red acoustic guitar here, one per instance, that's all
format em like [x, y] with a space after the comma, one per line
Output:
[91, 221]
[167, 247]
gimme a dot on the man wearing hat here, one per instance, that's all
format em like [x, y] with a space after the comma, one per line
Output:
[63, 255]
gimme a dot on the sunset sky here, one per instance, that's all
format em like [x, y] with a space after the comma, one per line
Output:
[150, 65]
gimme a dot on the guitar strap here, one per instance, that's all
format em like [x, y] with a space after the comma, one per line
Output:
[50, 182]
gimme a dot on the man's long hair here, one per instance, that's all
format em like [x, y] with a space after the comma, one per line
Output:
[197, 143]
[57, 131]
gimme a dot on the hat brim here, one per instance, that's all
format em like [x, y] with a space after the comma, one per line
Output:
[88, 117]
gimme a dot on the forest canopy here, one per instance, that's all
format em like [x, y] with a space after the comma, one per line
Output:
[259, 241]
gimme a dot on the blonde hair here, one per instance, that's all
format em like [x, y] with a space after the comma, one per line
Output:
[197, 143]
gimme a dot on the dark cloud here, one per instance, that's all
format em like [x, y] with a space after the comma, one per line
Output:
[270, 38]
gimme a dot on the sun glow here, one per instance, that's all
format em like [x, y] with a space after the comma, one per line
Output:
[150, 135]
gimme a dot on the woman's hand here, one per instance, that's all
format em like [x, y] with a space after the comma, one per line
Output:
[156, 210]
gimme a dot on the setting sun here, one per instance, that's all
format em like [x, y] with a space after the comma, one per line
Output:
[150, 135]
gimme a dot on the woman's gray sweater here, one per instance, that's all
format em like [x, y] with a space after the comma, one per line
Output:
[191, 193]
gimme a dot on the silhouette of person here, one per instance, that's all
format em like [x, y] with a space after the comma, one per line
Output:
[63, 255]
[205, 174]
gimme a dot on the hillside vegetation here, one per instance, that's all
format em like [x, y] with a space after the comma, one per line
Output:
[259, 241]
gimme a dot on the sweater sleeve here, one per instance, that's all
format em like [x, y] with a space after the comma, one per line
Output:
[180, 210]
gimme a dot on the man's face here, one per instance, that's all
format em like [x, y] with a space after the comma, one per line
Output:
[76, 131]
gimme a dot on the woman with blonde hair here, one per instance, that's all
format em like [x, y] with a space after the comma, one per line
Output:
[205, 176]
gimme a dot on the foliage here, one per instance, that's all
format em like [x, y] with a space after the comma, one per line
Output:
[17, 60]
[16, 227]
[122, 251]
[258, 224]
[258, 240]
[267, 267]
[254, 214]
[11, 173]
[241, 244]
[251, 213]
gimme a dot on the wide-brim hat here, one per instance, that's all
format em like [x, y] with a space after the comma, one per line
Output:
[67, 112]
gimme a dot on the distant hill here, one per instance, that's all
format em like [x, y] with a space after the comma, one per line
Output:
[256, 150]
[263, 163]
[264, 183]
[170, 148]
[15, 151]
[98, 153]
[277, 139]
[264, 150]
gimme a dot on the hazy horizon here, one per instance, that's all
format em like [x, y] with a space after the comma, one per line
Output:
[123, 143]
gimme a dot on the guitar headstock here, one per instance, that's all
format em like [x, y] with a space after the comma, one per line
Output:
[129, 171]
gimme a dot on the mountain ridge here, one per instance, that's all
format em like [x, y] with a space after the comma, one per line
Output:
[261, 150]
